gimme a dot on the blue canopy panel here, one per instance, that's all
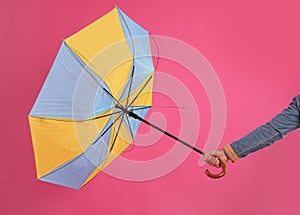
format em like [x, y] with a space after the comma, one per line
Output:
[71, 90]
[74, 173]
[138, 42]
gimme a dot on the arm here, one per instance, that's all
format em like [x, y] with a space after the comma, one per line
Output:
[265, 135]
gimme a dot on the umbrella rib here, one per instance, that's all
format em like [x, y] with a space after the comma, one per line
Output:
[131, 133]
[105, 90]
[65, 120]
[133, 48]
[130, 84]
[141, 108]
[133, 53]
[91, 74]
[115, 138]
[106, 115]
[130, 129]
[140, 90]
[175, 107]
[101, 135]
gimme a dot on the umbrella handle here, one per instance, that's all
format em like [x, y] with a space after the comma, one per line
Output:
[219, 175]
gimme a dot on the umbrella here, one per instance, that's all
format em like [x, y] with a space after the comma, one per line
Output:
[98, 91]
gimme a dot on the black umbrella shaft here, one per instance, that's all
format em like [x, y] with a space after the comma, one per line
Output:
[133, 115]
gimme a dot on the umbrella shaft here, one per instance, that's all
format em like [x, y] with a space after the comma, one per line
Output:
[133, 115]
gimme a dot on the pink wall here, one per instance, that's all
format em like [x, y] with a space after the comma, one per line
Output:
[254, 49]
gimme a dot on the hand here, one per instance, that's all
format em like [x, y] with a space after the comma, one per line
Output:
[213, 158]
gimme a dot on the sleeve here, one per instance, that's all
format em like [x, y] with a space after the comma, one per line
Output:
[265, 135]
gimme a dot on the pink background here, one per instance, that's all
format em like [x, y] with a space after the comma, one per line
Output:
[253, 47]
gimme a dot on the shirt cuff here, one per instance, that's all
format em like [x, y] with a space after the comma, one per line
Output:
[230, 153]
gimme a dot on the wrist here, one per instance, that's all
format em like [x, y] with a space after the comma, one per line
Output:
[230, 153]
[228, 158]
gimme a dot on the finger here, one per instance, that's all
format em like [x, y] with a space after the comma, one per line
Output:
[216, 162]
[211, 162]
[209, 155]
[213, 159]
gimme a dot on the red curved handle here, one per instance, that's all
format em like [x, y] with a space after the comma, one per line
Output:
[219, 175]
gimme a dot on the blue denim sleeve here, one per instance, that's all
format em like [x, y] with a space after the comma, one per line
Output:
[265, 135]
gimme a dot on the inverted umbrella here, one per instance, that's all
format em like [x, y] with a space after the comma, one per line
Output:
[98, 91]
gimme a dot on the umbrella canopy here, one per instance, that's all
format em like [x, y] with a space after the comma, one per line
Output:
[77, 123]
